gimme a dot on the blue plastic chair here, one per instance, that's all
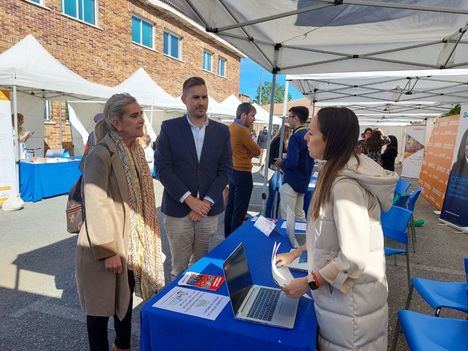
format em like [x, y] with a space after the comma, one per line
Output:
[394, 226]
[402, 187]
[411, 204]
[425, 332]
[437, 294]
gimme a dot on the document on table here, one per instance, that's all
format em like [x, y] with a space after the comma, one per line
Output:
[193, 302]
[281, 275]
[265, 225]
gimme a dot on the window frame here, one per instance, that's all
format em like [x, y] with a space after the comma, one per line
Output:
[169, 46]
[77, 18]
[211, 61]
[224, 66]
[152, 47]
[40, 3]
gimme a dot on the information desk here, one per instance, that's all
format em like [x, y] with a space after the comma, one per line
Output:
[166, 330]
[42, 180]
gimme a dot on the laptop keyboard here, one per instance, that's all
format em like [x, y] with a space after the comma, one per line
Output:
[300, 238]
[264, 304]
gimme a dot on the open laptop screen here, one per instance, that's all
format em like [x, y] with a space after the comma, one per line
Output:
[237, 275]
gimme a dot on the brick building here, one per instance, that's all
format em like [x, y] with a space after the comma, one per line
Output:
[105, 41]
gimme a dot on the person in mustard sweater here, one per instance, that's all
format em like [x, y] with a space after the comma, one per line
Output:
[240, 183]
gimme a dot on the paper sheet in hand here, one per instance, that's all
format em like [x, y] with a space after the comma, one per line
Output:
[302, 226]
[281, 275]
[300, 263]
[264, 225]
[193, 302]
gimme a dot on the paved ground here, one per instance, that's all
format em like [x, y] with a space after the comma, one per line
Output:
[39, 307]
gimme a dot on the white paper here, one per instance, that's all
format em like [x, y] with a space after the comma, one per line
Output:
[281, 275]
[264, 225]
[302, 226]
[193, 302]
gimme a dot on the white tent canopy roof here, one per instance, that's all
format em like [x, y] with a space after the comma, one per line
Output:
[147, 92]
[309, 36]
[29, 66]
[263, 116]
[446, 86]
[232, 102]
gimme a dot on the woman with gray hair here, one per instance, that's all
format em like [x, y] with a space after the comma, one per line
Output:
[119, 245]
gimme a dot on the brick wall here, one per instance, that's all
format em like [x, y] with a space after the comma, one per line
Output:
[106, 54]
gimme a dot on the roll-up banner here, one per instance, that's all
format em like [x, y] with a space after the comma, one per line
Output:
[438, 159]
[455, 207]
[414, 151]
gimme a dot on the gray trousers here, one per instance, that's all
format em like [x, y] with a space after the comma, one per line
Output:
[188, 240]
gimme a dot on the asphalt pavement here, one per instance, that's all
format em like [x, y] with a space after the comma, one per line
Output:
[39, 308]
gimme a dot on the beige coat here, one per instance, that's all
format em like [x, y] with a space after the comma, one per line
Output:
[105, 234]
[345, 244]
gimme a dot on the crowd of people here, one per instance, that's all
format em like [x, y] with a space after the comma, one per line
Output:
[198, 160]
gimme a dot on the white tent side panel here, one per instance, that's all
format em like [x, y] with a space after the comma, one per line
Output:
[33, 110]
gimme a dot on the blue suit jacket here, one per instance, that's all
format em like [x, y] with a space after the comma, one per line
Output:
[179, 170]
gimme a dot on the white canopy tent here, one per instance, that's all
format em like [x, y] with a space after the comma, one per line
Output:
[34, 75]
[263, 116]
[445, 86]
[30, 70]
[311, 36]
[148, 93]
[232, 102]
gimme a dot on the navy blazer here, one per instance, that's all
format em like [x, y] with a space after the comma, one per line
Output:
[178, 168]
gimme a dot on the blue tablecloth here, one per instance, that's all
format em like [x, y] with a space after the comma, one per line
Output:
[42, 180]
[166, 330]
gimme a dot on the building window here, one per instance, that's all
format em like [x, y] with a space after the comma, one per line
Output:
[221, 67]
[39, 2]
[84, 10]
[142, 32]
[207, 61]
[172, 45]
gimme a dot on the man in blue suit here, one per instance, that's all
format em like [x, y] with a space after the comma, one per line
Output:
[194, 163]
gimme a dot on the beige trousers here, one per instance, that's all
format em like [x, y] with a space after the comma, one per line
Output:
[188, 240]
[293, 200]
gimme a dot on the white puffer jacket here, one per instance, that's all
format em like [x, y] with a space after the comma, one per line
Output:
[345, 244]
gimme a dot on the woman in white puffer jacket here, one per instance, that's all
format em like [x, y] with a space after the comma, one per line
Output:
[345, 242]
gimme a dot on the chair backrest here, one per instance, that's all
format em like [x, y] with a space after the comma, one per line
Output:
[412, 198]
[395, 222]
[401, 200]
[466, 269]
[402, 187]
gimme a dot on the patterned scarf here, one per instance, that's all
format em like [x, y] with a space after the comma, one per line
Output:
[145, 257]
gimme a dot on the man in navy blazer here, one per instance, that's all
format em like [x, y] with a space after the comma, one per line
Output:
[194, 162]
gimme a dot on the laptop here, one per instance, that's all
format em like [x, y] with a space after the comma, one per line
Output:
[256, 303]
[296, 239]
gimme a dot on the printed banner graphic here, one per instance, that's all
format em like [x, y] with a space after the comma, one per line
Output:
[455, 207]
[414, 151]
[438, 160]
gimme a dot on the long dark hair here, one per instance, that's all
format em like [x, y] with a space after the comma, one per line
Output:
[374, 143]
[340, 129]
[393, 142]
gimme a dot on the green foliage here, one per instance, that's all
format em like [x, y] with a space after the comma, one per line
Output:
[265, 91]
[455, 110]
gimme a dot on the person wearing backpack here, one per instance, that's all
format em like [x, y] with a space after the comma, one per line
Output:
[119, 244]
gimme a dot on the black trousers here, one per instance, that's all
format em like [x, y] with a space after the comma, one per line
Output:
[97, 326]
[240, 189]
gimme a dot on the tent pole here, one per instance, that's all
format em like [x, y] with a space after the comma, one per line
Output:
[60, 123]
[16, 139]
[270, 128]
